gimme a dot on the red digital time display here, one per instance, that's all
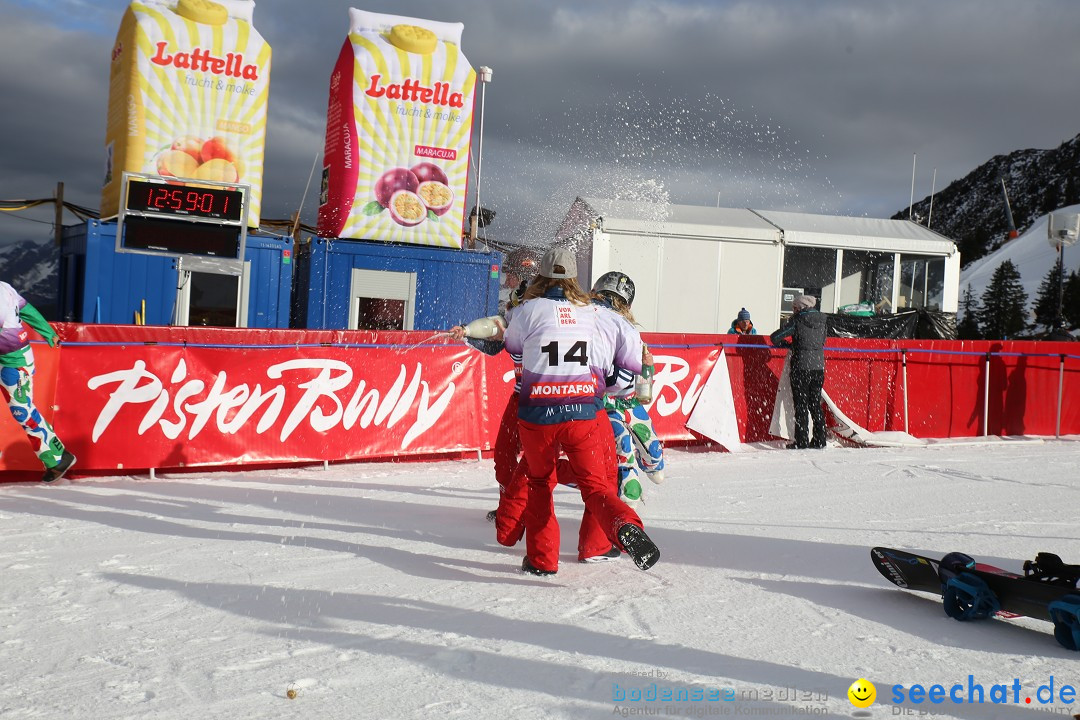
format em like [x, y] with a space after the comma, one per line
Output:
[184, 201]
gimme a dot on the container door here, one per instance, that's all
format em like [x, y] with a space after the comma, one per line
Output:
[212, 293]
[381, 300]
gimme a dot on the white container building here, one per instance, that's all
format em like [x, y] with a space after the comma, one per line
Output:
[695, 267]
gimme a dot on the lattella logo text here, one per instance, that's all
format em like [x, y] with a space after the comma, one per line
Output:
[231, 65]
[183, 404]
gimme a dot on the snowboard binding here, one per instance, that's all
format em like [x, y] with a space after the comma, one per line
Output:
[1048, 568]
[965, 595]
[1066, 616]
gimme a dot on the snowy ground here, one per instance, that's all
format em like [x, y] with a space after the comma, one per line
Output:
[378, 591]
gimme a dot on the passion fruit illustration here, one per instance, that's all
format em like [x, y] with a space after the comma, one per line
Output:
[393, 180]
[426, 171]
[406, 208]
[437, 196]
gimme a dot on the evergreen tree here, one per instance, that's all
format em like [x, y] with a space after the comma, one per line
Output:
[1003, 313]
[1046, 299]
[968, 327]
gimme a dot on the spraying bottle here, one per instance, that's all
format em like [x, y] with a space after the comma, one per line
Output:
[485, 328]
[643, 384]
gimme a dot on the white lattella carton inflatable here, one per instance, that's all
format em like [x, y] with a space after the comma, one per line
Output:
[188, 88]
[398, 132]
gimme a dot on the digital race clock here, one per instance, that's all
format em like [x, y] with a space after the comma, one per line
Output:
[178, 216]
[185, 201]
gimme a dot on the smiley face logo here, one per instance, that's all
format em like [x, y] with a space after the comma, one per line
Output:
[862, 693]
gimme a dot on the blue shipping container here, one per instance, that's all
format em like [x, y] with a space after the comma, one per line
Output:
[355, 284]
[100, 285]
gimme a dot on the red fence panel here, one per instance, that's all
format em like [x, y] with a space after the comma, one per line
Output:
[138, 397]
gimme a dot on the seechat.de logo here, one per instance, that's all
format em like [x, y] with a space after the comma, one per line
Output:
[862, 693]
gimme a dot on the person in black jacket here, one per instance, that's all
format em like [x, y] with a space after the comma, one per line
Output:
[804, 334]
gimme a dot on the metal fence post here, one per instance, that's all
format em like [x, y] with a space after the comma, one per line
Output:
[903, 358]
[1061, 391]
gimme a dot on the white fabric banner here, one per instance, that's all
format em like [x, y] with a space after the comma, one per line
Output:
[714, 413]
[783, 420]
[783, 412]
[783, 416]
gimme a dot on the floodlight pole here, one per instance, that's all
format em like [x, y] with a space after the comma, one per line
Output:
[911, 202]
[484, 76]
[1059, 321]
[933, 187]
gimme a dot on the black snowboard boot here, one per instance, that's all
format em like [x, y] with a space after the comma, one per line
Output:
[638, 546]
[57, 471]
[530, 569]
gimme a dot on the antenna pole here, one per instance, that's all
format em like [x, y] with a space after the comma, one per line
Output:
[933, 186]
[912, 201]
[58, 222]
[1008, 211]
[296, 223]
[484, 76]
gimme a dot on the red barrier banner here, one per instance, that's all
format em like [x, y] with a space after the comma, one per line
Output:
[681, 370]
[169, 407]
[140, 397]
[15, 448]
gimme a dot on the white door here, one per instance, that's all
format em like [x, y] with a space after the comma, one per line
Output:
[381, 300]
[212, 292]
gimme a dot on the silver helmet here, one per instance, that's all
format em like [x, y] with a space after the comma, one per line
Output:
[615, 283]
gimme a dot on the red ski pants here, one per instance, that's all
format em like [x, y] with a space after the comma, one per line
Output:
[514, 490]
[590, 450]
[507, 444]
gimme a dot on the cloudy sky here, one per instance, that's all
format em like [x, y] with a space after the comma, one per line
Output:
[816, 106]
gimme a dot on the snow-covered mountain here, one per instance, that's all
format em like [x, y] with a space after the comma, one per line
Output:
[971, 210]
[32, 268]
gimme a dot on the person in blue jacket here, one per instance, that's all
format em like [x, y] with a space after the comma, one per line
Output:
[742, 324]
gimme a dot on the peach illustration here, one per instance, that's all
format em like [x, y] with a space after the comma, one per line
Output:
[218, 169]
[176, 163]
[217, 148]
[190, 144]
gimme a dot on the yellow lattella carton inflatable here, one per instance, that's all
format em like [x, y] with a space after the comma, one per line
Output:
[188, 88]
[398, 131]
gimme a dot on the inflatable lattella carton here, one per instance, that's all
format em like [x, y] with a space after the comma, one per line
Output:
[188, 88]
[398, 132]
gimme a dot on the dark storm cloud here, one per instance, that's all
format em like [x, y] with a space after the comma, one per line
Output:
[814, 106]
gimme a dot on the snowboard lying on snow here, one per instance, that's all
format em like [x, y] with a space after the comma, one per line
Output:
[974, 591]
